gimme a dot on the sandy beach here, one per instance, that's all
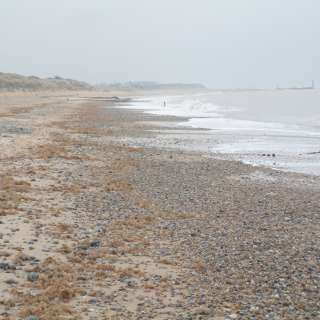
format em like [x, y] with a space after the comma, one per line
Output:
[94, 227]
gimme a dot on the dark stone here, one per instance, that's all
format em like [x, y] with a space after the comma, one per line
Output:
[11, 281]
[95, 243]
[32, 318]
[93, 301]
[7, 266]
[33, 276]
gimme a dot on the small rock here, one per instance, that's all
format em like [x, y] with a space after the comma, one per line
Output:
[202, 311]
[33, 276]
[32, 318]
[83, 246]
[95, 243]
[116, 307]
[129, 282]
[11, 281]
[5, 254]
[7, 266]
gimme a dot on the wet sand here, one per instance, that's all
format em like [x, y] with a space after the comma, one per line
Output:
[94, 228]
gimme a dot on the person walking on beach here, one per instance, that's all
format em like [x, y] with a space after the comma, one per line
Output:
[164, 103]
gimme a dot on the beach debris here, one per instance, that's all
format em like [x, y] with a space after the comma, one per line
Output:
[268, 155]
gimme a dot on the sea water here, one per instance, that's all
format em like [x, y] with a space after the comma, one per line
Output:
[278, 128]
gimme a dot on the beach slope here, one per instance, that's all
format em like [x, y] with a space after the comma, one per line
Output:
[95, 229]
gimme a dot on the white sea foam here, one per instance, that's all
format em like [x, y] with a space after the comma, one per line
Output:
[249, 123]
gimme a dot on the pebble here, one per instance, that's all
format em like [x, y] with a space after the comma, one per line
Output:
[32, 318]
[92, 301]
[11, 281]
[202, 311]
[95, 243]
[7, 266]
[33, 276]
[83, 246]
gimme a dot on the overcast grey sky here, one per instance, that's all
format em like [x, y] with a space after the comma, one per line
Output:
[222, 43]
